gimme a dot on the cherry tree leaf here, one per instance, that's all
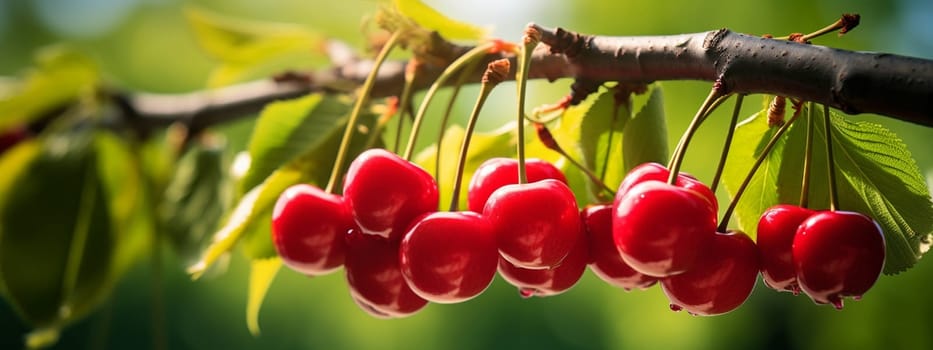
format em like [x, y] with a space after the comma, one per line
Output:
[600, 138]
[644, 139]
[60, 76]
[876, 176]
[261, 274]
[250, 49]
[431, 19]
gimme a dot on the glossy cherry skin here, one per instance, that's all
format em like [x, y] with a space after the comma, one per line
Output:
[497, 172]
[657, 172]
[721, 279]
[605, 260]
[776, 230]
[385, 193]
[547, 282]
[660, 229]
[375, 279]
[308, 229]
[449, 257]
[838, 254]
[536, 224]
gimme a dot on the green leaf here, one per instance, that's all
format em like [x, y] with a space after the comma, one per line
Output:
[129, 199]
[195, 199]
[429, 18]
[483, 146]
[287, 129]
[644, 139]
[600, 139]
[876, 175]
[261, 274]
[250, 50]
[68, 245]
[59, 77]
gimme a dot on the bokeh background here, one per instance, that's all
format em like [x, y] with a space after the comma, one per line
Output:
[146, 45]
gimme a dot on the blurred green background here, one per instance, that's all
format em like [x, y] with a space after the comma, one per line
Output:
[146, 45]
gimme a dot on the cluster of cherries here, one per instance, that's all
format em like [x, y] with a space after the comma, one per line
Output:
[399, 252]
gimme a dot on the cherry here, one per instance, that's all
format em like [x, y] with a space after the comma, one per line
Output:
[497, 172]
[606, 261]
[385, 193]
[838, 254]
[550, 281]
[308, 229]
[536, 224]
[449, 257]
[374, 277]
[657, 172]
[721, 279]
[776, 230]
[660, 228]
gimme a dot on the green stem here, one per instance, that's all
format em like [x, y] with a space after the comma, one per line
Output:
[707, 107]
[724, 224]
[461, 79]
[377, 130]
[830, 161]
[357, 110]
[522, 79]
[403, 103]
[609, 144]
[728, 142]
[485, 89]
[807, 160]
[477, 52]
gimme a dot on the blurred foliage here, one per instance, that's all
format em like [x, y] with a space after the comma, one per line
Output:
[151, 46]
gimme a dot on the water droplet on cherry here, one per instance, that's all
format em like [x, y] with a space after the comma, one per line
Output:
[526, 292]
[676, 308]
[837, 302]
[857, 297]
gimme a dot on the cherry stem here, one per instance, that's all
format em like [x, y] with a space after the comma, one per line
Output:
[807, 160]
[707, 107]
[844, 24]
[392, 105]
[724, 224]
[357, 110]
[728, 143]
[411, 72]
[530, 39]
[548, 140]
[830, 161]
[495, 73]
[477, 52]
[461, 79]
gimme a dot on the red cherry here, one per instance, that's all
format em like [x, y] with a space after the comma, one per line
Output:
[721, 279]
[308, 229]
[385, 193]
[838, 254]
[550, 281]
[657, 172]
[660, 228]
[776, 230]
[536, 224]
[606, 261]
[497, 172]
[449, 257]
[374, 277]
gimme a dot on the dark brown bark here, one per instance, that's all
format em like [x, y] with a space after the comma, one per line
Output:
[895, 86]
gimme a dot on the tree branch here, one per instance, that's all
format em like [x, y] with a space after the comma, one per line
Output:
[896, 86]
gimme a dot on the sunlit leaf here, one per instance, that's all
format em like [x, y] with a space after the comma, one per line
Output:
[483, 146]
[876, 175]
[431, 19]
[601, 138]
[249, 50]
[645, 137]
[261, 274]
[59, 77]
[287, 129]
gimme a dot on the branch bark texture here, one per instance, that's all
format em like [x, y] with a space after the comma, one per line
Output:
[896, 86]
